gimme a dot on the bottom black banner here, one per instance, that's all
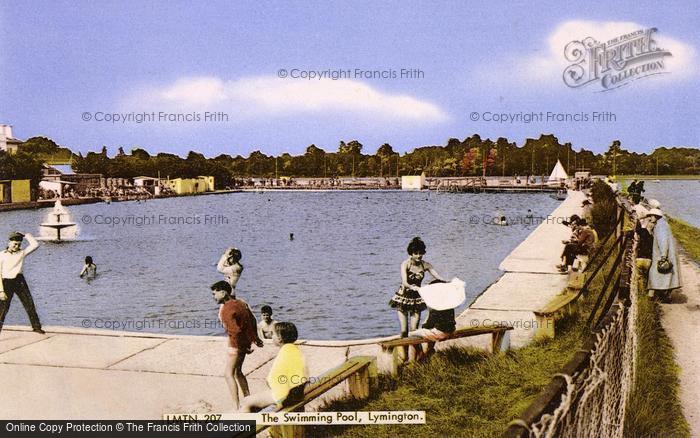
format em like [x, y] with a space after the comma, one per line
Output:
[137, 428]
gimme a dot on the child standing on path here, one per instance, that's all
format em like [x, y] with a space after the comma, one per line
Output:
[12, 280]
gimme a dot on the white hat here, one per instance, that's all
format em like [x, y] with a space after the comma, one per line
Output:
[653, 203]
[641, 211]
[443, 296]
[655, 212]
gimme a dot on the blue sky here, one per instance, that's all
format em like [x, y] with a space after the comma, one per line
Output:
[59, 60]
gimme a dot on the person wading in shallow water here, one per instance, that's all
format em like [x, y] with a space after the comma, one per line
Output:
[89, 269]
[12, 280]
[229, 265]
[407, 301]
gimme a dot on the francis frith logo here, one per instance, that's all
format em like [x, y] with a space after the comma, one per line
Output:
[616, 62]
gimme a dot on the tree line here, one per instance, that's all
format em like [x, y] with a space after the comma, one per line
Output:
[472, 156]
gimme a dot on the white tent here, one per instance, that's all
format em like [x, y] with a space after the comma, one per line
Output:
[558, 173]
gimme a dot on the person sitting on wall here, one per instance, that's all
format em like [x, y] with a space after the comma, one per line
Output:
[288, 375]
[440, 324]
[582, 240]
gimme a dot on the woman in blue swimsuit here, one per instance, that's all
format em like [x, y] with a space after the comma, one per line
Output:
[407, 301]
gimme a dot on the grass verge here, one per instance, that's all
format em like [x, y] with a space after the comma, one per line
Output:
[464, 392]
[687, 235]
[654, 408]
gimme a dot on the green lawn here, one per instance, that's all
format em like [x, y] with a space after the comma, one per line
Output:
[464, 392]
[654, 408]
[687, 235]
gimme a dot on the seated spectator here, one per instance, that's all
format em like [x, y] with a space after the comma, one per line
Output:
[440, 323]
[582, 240]
[288, 375]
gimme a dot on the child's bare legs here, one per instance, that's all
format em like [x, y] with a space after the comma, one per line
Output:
[415, 320]
[233, 374]
[256, 402]
[403, 321]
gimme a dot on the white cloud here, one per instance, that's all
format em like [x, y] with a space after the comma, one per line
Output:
[548, 67]
[271, 96]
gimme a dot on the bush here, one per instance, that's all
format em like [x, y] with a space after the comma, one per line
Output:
[604, 212]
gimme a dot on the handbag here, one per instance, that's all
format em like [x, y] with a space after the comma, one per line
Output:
[664, 265]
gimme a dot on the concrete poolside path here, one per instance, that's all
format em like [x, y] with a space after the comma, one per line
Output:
[681, 321]
[101, 374]
[530, 281]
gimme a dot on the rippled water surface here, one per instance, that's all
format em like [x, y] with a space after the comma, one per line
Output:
[679, 198]
[333, 280]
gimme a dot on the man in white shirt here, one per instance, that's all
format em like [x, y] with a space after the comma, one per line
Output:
[12, 281]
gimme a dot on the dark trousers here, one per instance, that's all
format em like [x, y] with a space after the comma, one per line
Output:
[18, 285]
[571, 250]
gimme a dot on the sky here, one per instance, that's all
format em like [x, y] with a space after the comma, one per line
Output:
[234, 77]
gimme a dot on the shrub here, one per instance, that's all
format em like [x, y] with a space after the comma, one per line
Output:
[604, 212]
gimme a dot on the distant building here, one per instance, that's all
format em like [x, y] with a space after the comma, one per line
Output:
[149, 183]
[413, 182]
[8, 143]
[62, 175]
[16, 190]
[187, 186]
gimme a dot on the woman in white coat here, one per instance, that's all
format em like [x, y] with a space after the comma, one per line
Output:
[664, 248]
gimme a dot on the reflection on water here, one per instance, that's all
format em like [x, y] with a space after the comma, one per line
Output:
[156, 260]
